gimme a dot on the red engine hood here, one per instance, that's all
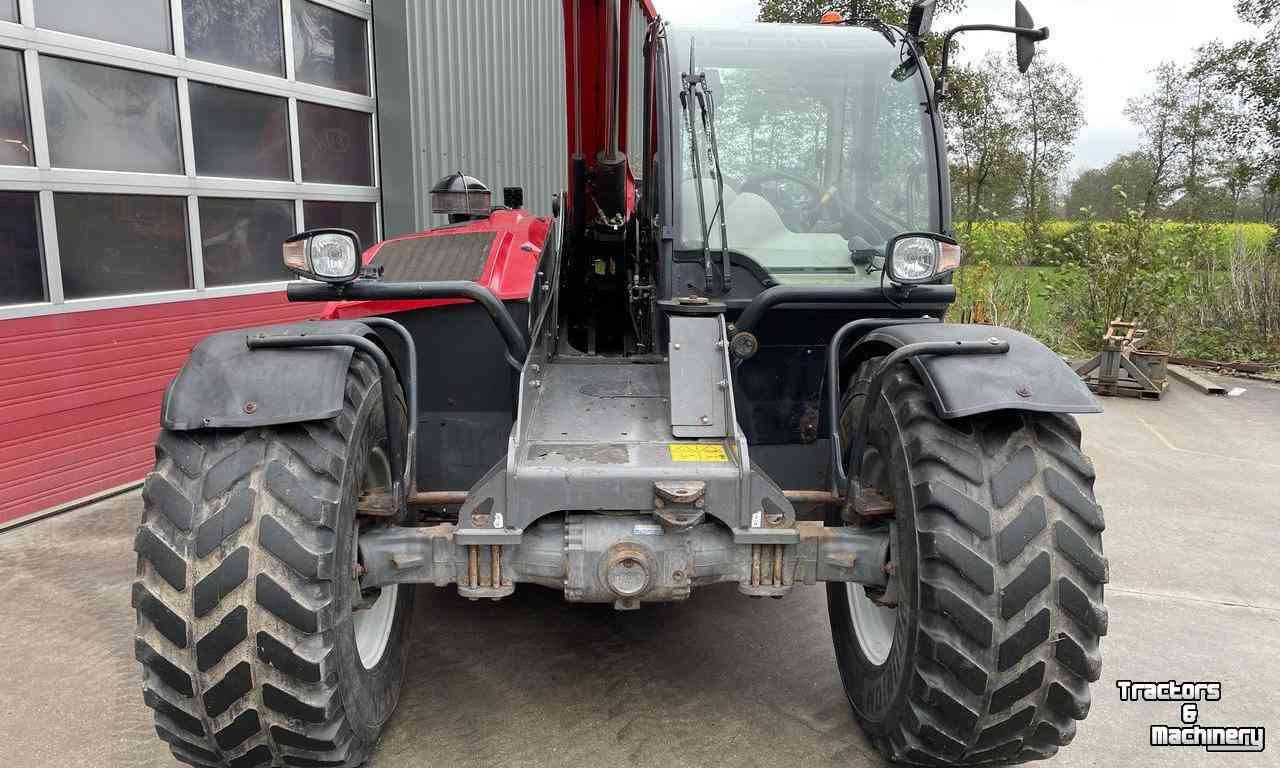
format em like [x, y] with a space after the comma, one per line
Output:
[508, 272]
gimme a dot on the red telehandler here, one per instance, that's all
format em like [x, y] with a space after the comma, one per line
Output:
[727, 364]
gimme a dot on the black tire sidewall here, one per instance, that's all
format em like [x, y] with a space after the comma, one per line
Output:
[369, 695]
[878, 693]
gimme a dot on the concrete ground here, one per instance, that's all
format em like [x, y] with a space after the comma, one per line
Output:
[1191, 487]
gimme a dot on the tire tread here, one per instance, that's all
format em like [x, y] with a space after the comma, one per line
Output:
[1000, 674]
[236, 576]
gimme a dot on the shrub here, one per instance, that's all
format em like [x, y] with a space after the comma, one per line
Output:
[1204, 290]
[1003, 242]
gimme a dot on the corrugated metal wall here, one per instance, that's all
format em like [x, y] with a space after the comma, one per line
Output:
[488, 97]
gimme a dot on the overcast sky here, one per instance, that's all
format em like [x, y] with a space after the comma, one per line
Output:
[1109, 44]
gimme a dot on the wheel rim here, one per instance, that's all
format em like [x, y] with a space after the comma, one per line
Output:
[873, 625]
[373, 627]
[373, 624]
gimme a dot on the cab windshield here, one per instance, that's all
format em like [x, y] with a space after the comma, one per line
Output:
[825, 155]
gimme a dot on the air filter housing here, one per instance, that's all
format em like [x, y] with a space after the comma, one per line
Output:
[462, 198]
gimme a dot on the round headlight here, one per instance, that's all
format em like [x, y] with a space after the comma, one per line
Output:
[333, 256]
[914, 259]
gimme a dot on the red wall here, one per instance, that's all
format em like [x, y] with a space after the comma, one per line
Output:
[80, 392]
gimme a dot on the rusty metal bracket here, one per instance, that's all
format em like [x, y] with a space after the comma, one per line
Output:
[867, 505]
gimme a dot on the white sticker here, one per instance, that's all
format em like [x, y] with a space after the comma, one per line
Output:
[646, 529]
[756, 519]
[497, 520]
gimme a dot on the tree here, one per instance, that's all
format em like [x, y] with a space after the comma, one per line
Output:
[1156, 115]
[1198, 129]
[1095, 190]
[981, 137]
[792, 11]
[1240, 160]
[809, 11]
[890, 11]
[1249, 71]
[1204, 144]
[1047, 108]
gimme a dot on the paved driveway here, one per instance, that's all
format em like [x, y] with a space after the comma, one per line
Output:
[1191, 488]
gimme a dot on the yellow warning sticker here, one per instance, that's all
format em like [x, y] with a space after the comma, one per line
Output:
[697, 452]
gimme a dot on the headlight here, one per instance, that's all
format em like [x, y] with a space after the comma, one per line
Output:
[914, 258]
[918, 257]
[331, 255]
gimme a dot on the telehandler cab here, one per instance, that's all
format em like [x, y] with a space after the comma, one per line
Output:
[725, 365]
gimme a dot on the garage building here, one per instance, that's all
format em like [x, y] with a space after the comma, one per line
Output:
[154, 154]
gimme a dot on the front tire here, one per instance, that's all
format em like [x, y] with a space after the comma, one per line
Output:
[997, 551]
[256, 647]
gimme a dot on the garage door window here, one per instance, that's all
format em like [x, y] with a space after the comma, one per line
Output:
[110, 119]
[330, 48]
[15, 125]
[361, 218]
[239, 134]
[21, 268]
[160, 150]
[241, 239]
[140, 23]
[114, 244]
[238, 33]
[336, 145]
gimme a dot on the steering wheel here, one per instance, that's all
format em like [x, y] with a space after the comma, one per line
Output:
[800, 215]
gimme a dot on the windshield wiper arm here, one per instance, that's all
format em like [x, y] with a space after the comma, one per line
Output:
[695, 164]
[694, 85]
[709, 125]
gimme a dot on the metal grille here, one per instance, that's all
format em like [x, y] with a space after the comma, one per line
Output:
[459, 256]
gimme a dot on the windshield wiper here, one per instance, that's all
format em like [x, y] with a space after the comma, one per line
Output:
[694, 85]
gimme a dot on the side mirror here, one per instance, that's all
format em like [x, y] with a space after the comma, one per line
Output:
[328, 255]
[920, 257]
[1028, 36]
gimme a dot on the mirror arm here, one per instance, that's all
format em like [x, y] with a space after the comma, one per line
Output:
[1036, 35]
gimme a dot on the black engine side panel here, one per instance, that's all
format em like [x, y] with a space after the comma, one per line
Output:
[466, 391]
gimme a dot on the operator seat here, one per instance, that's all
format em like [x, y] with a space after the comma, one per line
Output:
[757, 230]
[753, 219]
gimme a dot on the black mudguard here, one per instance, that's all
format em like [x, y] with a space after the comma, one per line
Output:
[225, 384]
[1029, 378]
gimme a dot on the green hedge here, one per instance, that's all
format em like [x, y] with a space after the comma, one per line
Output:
[1004, 242]
[1204, 290]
